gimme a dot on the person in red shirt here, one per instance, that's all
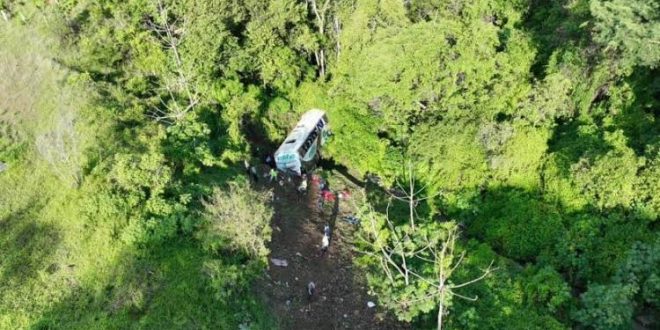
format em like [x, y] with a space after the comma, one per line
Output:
[316, 179]
[327, 195]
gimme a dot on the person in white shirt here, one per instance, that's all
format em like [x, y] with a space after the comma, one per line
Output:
[311, 288]
[325, 242]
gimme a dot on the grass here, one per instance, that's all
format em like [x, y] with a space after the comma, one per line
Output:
[65, 261]
[64, 265]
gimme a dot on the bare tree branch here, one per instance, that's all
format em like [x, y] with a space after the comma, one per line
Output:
[464, 297]
[171, 35]
[485, 273]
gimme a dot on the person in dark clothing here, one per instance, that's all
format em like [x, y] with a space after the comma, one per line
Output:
[270, 160]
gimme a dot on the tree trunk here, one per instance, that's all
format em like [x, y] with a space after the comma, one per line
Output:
[441, 306]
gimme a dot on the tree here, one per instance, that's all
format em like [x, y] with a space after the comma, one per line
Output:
[629, 27]
[409, 193]
[320, 13]
[634, 285]
[411, 270]
[410, 265]
[607, 307]
[237, 219]
[172, 33]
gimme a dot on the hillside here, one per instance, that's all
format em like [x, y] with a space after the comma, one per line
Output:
[502, 159]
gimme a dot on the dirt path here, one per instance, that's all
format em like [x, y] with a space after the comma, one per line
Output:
[340, 301]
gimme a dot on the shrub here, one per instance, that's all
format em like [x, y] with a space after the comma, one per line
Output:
[237, 219]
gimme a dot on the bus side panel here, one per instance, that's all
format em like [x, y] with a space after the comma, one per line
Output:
[311, 152]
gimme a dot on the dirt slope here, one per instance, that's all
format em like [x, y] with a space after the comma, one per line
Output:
[340, 301]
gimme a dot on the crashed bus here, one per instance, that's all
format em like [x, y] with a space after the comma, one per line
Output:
[300, 150]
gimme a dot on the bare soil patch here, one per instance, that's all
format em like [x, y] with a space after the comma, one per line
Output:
[340, 300]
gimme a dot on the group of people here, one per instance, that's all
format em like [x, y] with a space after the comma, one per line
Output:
[253, 173]
[325, 197]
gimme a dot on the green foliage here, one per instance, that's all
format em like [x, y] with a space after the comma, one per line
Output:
[413, 296]
[512, 298]
[607, 307]
[647, 201]
[611, 306]
[92, 254]
[546, 171]
[639, 270]
[532, 124]
[546, 289]
[237, 219]
[516, 224]
[631, 28]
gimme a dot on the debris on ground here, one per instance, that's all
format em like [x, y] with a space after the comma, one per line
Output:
[371, 304]
[351, 219]
[296, 228]
[279, 262]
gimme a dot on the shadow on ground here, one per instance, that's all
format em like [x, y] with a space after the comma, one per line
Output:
[26, 245]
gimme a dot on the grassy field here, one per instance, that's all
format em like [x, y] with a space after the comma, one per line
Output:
[71, 255]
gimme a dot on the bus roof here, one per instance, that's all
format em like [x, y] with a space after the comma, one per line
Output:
[297, 136]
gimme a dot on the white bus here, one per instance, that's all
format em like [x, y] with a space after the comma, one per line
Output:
[300, 150]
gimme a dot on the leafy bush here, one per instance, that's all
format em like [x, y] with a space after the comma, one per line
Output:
[607, 307]
[629, 27]
[237, 219]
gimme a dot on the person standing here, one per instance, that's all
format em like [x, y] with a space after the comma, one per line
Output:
[255, 176]
[273, 174]
[270, 161]
[302, 188]
[316, 180]
[325, 242]
[250, 171]
[311, 288]
[327, 196]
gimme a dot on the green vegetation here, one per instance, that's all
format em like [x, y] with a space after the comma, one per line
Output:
[531, 129]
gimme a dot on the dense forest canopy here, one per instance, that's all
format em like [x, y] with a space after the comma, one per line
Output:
[529, 128]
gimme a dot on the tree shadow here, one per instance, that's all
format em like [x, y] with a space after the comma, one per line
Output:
[554, 26]
[26, 245]
[331, 165]
[164, 285]
[255, 129]
[574, 140]
[583, 244]
[640, 120]
[534, 236]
